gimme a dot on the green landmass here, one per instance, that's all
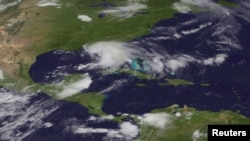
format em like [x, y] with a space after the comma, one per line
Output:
[136, 73]
[92, 101]
[119, 119]
[205, 84]
[227, 3]
[12, 84]
[73, 33]
[190, 121]
[59, 28]
[56, 87]
[141, 85]
[177, 82]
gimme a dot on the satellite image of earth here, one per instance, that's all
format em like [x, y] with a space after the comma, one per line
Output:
[122, 70]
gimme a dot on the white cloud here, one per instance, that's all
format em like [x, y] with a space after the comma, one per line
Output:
[174, 64]
[111, 56]
[108, 117]
[181, 7]
[1, 74]
[86, 130]
[197, 135]
[92, 118]
[84, 18]
[157, 64]
[220, 58]
[134, 7]
[177, 114]
[48, 124]
[58, 52]
[81, 67]
[108, 54]
[45, 3]
[75, 87]
[216, 60]
[158, 120]
[177, 36]
[207, 4]
[100, 119]
[191, 31]
[129, 130]
[180, 61]
[114, 134]
[20, 113]
[209, 61]
[126, 11]
[116, 84]
[3, 6]
[125, 114]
